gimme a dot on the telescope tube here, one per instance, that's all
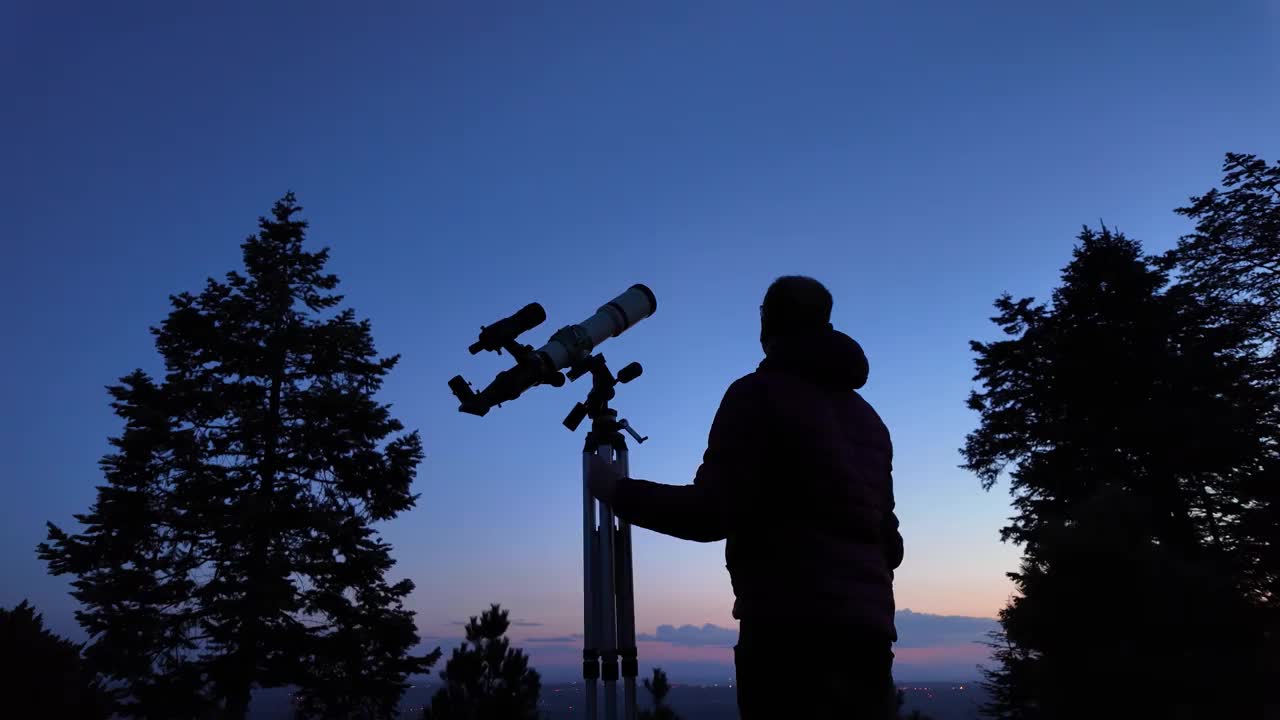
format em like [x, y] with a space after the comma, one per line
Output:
[568, 345]
[575, 342]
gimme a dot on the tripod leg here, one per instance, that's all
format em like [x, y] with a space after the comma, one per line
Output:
[626, 607]
[590, 609]
[608, 628]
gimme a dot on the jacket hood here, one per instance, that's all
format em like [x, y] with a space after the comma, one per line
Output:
[827, 357]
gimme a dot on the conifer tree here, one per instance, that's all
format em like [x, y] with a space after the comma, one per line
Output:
[486, 677]
[232, 545]
[1125, 421]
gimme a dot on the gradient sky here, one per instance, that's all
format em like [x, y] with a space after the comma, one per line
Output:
[463, 159]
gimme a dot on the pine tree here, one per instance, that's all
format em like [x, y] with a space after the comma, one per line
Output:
[486, 677]
[658, 688]
[232, 545]
[1231, 264]
[1123, 417]
[46, 673]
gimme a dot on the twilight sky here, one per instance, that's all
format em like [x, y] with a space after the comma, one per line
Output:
[463, 159]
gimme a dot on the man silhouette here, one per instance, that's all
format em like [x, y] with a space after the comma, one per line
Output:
[797, 478]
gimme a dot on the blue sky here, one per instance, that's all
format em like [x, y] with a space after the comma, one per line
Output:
[464, 159]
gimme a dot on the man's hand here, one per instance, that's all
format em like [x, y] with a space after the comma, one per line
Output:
[603, 479]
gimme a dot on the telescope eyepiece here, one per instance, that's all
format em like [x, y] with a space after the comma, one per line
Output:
[466, 396]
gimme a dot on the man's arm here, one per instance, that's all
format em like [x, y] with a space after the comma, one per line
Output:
[703, 511]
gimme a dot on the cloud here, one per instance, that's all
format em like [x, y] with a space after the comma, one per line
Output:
[929, 647]
[554, 639]
[440, 641]
[693, 636]
[915, 630]
[922, 630]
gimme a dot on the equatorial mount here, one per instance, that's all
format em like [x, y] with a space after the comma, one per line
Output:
[602, 391]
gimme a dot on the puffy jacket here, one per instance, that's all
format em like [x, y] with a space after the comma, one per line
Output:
[797, 476]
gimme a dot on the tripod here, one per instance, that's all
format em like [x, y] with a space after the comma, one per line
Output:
[608, 605]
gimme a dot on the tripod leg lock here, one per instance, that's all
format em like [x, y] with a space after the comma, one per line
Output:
[590, 665]
[630, 666]
[610, 670]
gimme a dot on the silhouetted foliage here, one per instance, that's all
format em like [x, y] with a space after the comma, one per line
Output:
[45, 673]
[1231, 264]
[658, 688]
[1103, 607]
[1128, 423]
[232, 546]
[486, 677]
[1115, 384]
[1234, 254]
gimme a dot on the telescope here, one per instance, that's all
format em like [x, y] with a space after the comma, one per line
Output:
[567, 347]
[609, 631]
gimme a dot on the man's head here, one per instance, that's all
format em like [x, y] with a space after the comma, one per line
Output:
[793, 305]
